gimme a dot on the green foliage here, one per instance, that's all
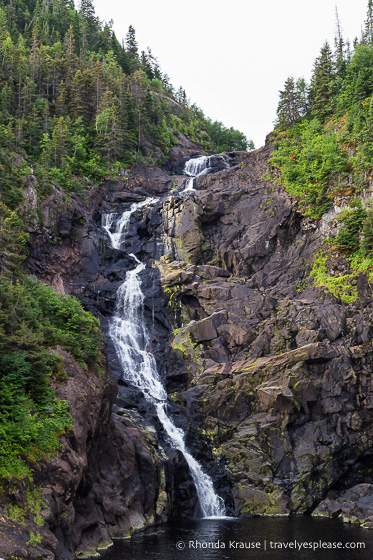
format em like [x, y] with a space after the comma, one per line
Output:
[31, 509]
[342, 287]
[351, 222]
[311, 162]
[293, 103]
[12, 243]
[35, 539]
[367, 233]
[323, 83]
[227, 139]
[325, 149]
[34, 318]
[73, 101]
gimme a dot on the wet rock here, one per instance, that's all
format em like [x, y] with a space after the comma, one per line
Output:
[353, 506]
[270, 376]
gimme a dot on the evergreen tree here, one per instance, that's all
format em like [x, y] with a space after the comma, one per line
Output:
[12, 243]
[293, 102]
[109, 131]
[86, 9]
[367, 233]
[146, 66]
[58, 148]
[367, 35]
[154, 65]
[322, 84]
[81, 104]
[339, 48]
[69, 50]
[132, 49]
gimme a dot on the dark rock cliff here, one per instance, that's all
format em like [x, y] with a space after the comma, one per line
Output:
[269, 376]
[279, 380]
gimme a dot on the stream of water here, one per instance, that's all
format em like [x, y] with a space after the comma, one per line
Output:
[130, 336]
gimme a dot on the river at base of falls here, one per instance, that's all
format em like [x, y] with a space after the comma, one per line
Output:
[212, 539]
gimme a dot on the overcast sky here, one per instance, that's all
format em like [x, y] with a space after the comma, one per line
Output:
[233, 57]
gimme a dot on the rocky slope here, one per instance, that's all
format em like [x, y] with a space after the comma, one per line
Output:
[280, 376]
[269, 376]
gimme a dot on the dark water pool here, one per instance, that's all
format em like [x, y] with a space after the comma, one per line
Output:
[300, 538]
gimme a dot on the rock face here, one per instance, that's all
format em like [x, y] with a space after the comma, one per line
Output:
[269, 377]
[275, 374]
[115, 472]
[107, 480]
[353, 506]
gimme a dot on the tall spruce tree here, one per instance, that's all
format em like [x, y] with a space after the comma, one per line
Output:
[293, 102]
[368, 31]
[322, 83]
[367, 233]
[132, 49]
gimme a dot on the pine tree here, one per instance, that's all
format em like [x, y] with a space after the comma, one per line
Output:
[322, 84]
[367, 36]
[132, 49]
[367, 233]
[288, 110]
[109, 139]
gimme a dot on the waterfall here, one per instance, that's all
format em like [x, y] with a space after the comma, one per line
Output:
[197, 166]
[110, 220]
[131, 341]
[205, 164]
[189, 185]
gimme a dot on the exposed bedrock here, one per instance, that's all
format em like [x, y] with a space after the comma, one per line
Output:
[273, 372]
[269, 377]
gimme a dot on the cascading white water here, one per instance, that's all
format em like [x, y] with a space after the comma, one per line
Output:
[197, 166]
[211, 504]
[110, 220]
[189, 185]
[131, 340]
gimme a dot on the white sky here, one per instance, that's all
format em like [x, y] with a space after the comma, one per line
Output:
[233, 57]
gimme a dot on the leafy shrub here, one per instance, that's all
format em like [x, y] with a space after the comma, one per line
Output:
[342, 287]
[349, 233]
[367, 233]
[33, 318]
[310, 161]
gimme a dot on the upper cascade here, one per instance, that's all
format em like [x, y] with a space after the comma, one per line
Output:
[204, 165]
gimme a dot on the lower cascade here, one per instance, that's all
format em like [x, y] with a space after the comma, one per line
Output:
[131, 340]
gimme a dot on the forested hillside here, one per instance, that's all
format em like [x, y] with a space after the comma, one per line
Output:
[75, 105]
[323, 144]
[74, 101]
